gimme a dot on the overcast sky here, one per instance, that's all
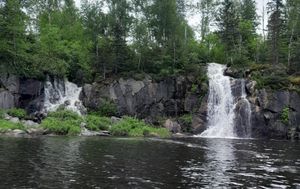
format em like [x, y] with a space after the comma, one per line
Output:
[194, 19]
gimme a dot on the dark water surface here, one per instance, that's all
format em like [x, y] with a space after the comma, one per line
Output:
[62, 162]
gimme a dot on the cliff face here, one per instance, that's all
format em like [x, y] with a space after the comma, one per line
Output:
[20, 92]
[275, 114]
[146, 99]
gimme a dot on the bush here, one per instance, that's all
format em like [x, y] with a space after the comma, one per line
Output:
[107, 108]
[96, 123]
[186, 119]
[132, 127]
[6, 125]
[63, 122]
[285, 116]
[16, 112]
[64, 115]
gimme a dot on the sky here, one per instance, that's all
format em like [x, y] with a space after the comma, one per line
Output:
[194, 20]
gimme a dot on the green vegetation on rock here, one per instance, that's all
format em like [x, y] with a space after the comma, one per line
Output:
[7, 125]
[285, 115]
[17, 112]
[97, 123]
[132, 127]
[63, 122]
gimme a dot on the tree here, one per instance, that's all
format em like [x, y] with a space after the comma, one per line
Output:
[293, 27]
[275, 27]
[13, 39]
[228, 23]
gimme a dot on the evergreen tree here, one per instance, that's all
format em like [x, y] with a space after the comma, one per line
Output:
[275, 27]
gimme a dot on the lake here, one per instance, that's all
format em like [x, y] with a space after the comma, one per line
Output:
[78, 162]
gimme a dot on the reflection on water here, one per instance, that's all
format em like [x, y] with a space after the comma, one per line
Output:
[214, 170]
[62, 162]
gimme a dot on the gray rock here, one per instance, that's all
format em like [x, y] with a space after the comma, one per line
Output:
[35, 131]
[7, 100]
[14, 120]
[17, 133]
[115, 120]
[30, 124]
[144, 99]
[172, 126]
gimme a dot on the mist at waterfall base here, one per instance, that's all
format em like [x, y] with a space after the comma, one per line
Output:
[221, 106]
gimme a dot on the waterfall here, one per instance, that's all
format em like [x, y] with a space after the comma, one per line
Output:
[229, 116]
[220, 104]
[245, 113]
[62, 93]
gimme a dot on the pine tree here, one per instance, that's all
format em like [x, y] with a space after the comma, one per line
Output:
[275, 27]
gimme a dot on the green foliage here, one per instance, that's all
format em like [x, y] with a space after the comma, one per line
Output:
[6, 125]
[186, 119]
[106, 108]
[285, 115]
[96, 123]
[65, 115]
[16, 112]
[132, 127]
[62, 122]
[2, 113]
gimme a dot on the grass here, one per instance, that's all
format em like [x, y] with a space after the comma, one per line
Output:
[96, 123]
[135, 128]
[6, 125]
[63, 122]
[2, 113]
[16, 112]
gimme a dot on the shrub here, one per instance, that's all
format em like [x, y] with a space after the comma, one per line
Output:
[6, 125]
[96, 123]
[64, 115]
[16, 112]
[285, 115]
[63, 122]
[132, 127]
[186, 119]
[107, 108]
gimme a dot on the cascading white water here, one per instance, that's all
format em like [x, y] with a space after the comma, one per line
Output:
[220, 104]
[62, 92]
[247, 109]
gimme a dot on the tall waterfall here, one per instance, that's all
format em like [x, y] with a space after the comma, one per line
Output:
[62, 93]
[220, 104]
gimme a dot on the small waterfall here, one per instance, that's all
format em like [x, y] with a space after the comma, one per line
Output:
[245, 113]
[62, 93]
[220, 104]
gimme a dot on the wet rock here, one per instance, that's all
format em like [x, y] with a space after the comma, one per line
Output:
[16, 133]
[35, 131]
[86, 132]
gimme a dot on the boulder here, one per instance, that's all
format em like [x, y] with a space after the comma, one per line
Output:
[172, 126]
[30, 124]
[14, 120]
